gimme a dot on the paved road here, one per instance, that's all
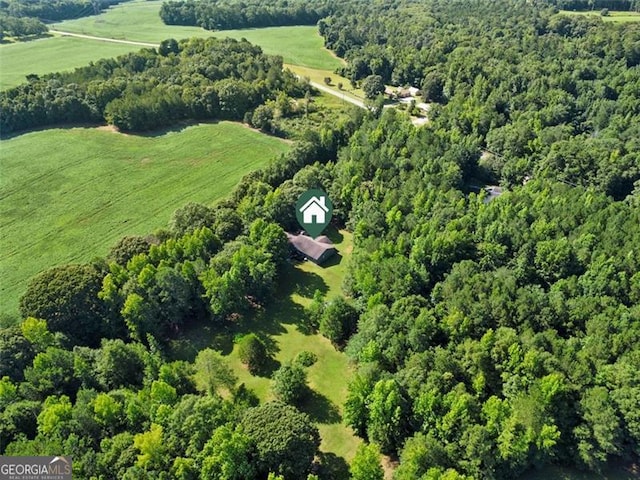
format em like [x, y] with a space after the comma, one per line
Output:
[319, 86]
[103, 39]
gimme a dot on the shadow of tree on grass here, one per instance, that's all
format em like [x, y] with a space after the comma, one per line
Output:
[332, 466]
[334, 234]
[305, 284]
[267, 369]
[320, 408]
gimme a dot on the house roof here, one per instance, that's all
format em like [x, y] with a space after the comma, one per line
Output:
[317, 201]
[493, 192]
[309, 247]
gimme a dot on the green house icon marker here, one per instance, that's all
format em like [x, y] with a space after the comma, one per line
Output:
[313, 211]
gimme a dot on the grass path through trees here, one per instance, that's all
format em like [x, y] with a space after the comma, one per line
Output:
[282, 326]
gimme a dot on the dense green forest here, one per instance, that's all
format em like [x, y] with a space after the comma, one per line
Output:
[226, 15]
[54, 10]
[490, 336]
[548, 94]
[493, 337]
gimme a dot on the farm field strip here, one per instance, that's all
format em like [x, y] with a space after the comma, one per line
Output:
[614, 16]
[139, 21]
[54, 54]
[136, 21]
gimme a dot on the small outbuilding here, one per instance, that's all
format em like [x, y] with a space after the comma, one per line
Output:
[317, 250]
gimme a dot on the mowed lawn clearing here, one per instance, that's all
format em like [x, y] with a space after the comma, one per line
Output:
[52, 54]
[67, 195]
[318, 76]
[283, 327]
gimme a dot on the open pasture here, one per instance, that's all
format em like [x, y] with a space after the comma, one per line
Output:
[53, 54]
[67, 195]
[138, 21]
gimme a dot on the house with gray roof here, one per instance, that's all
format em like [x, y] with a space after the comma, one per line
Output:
[318, 250]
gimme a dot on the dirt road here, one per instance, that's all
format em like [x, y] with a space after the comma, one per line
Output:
[319, 86]
[102, 39]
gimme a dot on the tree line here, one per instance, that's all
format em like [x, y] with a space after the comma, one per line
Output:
[18, 27]
[231, 14]
[197, 78]
[55, 10]
[584, 5]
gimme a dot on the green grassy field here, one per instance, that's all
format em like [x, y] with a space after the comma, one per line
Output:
[282, 326]
[318, 76]
[67, 195]
[136, 20]
[53, 54]
[139, 21]
[618, 17]
[300, 45]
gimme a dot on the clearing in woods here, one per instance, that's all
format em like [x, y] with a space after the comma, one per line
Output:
[283, 327]
[67, 195]
[616, 17]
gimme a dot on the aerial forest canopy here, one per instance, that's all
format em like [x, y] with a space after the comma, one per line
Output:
[489, 336]
[549, 95]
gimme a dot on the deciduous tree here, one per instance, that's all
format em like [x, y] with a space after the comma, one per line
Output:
[286, 439]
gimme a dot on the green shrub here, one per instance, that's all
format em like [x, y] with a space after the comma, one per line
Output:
[306, 359]
[252, 352]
